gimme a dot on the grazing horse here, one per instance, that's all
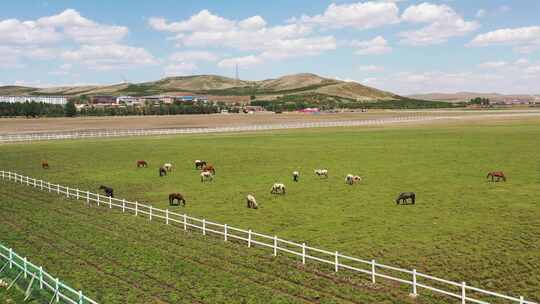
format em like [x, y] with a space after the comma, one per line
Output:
[162, 171]
[251, 202]
[199, 164]
[168, 166]
[178, 197]
[278, 188]
[349, 179]
[142, 164]
[206, 176]
[403, 196]
[108, 190]
[209, 168]
[496, 174]
[321, 172]
[295, 176]
[44, 164]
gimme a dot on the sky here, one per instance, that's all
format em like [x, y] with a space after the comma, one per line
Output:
[403, 46]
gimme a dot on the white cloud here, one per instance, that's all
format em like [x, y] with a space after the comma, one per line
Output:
[360, 15]
[444, 23]
[251, 34]
[375, 46]
[193, 56]
[107, 57]
[524, 39]
[493, 64]
[180, 69]
[245, 61]
[370, 68]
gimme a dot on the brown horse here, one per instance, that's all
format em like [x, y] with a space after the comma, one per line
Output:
[44, 164]
[496, 174]
[142, 163]
[209, 168]
[176, 196]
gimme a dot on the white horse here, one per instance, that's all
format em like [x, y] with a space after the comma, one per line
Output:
[206, 176]
[278, 188]
[321, 172]
[168, 166]
[251, 202]
[295, 176]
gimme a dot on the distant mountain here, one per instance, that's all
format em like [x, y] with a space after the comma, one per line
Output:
[466, 96]
[297, 84]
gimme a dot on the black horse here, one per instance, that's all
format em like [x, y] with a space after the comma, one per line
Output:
[200, 164]
[403, 196]
[108, 190]
[162, 171]
[178, 197]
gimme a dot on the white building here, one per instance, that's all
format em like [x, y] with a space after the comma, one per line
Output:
[58, 100]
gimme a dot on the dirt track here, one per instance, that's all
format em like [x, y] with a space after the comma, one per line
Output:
[23, 125]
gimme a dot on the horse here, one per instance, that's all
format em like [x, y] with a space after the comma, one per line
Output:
[162, 171]
[108, 190]
[349, 179]
[295, 176]
[278, 188]
[44, 164]
[206, 176]
[176, 196]
[403, 196]
[199, 164]
[321, 172]
[168, 166]
[251, 202]
[496, 174]
[209, 168]
[142, 164]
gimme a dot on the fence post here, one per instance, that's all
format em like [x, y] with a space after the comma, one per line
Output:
[521, 300]
[10, 258]
[40, 277]
[77, 194]
[110, 202]
[204, 226]
[88, 197]
[225, 232]
[25, 268]
[373, 271]
[80, 297]
[57, 290]
[136, 208]
[58, 188]
[98, 198]
[67, 191]
[249, 238]
[463, 293]
[124, 205]
[27, 181]
[414, 283]
[49, 186]
[150, 212]
[41, 184]
[185, 221]
[303, 253]
[167, 216]
[336, 262]
[275, 245]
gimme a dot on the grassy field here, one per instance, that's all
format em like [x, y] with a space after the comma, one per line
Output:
[462, 227]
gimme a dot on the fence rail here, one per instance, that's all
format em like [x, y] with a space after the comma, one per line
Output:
[6, 138]
[416, 280]
[60, 291]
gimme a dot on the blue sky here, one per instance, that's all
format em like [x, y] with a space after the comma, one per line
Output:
[404, 46]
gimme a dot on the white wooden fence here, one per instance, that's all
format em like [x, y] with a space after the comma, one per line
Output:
[339, 261]
[243, 128]
[21, 137]
[10, 260]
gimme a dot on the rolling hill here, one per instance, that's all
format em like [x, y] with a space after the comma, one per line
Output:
[289, 85]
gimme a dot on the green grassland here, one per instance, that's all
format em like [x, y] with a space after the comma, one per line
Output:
[462, 227]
